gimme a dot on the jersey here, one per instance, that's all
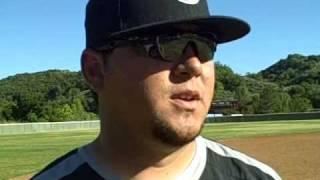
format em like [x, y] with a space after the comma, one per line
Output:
[211, 160]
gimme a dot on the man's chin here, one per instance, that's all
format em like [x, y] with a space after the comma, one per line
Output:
[175, 136]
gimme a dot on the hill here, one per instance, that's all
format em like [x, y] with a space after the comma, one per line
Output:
[290, 85]
[294, 70]
[298, 75]
[52, 95]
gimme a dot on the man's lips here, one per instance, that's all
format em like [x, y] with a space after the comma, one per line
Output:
[186, 99]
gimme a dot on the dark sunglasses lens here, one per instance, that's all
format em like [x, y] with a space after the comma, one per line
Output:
[205, 50]
[172, 50]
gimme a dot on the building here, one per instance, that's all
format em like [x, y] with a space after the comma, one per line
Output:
[220, 106]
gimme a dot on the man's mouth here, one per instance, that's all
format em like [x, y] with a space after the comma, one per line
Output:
[188, 99]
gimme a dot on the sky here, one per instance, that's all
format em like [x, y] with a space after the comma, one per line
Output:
[38, 35]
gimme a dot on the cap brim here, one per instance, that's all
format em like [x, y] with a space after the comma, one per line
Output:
[225, 28]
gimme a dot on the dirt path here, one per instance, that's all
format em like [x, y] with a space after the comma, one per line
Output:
[294, 157]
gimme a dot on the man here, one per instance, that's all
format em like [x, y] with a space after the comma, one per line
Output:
[150, 63]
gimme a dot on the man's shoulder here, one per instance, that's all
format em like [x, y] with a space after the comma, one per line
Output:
[69, 166]
[224, 162]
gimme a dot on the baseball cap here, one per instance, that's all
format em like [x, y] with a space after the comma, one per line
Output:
[113, 19]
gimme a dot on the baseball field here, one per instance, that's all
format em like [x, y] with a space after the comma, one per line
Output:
[290, 147]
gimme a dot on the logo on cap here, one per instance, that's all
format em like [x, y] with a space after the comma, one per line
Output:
[190, 1]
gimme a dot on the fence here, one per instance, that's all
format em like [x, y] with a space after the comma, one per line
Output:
[26, 128]
[266, 117]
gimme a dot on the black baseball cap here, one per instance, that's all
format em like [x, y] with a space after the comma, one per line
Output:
[107, 20]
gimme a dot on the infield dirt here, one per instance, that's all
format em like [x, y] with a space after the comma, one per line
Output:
[294, 157]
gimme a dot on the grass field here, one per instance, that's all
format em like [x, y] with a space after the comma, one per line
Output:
[25, 154]
[251, 129]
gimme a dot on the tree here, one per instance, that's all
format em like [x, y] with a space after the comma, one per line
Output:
[225, 75]
[6, 110]
[255, 105]
[296, 91]
[52, 95]
[300, 104]
[221, 93]
[243, 96]
[283, 103]
[273, 100]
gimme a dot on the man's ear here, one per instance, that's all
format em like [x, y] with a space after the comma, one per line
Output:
[92, 67]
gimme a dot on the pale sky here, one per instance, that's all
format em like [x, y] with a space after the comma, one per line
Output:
[37, 35]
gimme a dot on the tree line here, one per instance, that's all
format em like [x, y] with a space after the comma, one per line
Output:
[291, 85]
[48, 96]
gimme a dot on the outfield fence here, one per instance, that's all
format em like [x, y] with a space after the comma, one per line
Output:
[266, 117]
[27, 128]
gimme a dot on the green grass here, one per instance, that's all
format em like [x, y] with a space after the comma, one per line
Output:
[25, 154]
[265, 128]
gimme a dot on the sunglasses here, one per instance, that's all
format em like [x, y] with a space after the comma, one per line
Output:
[170, 48]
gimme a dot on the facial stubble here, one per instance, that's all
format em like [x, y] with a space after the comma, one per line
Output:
[168, 135]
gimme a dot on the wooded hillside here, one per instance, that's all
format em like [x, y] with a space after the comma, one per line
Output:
[53, 95]
[290, 85]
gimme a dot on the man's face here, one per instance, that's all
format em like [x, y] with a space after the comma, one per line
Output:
[168, 101]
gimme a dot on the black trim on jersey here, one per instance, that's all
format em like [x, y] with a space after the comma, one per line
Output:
[227, 168]
[57, 161]
[211, 161]
[83, 172]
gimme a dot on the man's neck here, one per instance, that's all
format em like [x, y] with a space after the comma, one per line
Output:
[140, 158]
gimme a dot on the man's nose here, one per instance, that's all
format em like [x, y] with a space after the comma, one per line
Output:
[190, 63]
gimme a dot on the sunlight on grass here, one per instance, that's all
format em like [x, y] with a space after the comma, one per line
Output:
[28, 153]
[24, 154]
[246, 129]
